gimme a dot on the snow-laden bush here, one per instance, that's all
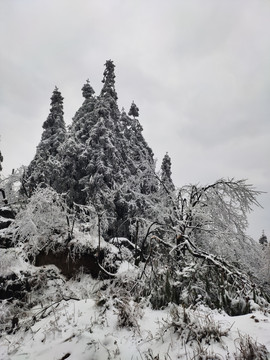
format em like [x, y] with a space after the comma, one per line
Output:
[128, 313]
[43, 220]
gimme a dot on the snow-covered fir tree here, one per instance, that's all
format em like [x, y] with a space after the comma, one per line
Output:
[75, 153]
[108, 93]
[166, 173]
[46, 165]
[117, 156]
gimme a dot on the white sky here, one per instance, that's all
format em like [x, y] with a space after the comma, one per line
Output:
[198, 70]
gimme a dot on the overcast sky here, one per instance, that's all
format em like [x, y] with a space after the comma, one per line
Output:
[199, 71]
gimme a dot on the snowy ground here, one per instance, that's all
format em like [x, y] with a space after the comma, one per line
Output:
[103, 326]
[87, 319]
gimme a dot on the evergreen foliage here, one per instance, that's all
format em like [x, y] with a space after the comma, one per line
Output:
[108, 93]
[102, 160]
[75, 153]
[46, 167]
[263, 239]
[87, 90]
[108, 88]
[134, 110]
[166, 173]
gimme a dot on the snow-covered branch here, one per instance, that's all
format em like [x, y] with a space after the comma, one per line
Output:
[218, 206]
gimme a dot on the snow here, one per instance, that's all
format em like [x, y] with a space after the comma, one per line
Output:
[255, 325]
[4, 220]
[84, 319]
[91, 240]
[125, 267]
[118, 241]
[11, 262]
[84, 330]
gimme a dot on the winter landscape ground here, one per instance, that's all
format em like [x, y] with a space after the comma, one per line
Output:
[86, 318]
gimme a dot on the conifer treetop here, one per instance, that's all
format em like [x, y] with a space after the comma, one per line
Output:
[57, 98]
[263, 239]
[134, 110]
[166, 165]
[109, 81]
[87, 90]
[166, 172]
[55, 118]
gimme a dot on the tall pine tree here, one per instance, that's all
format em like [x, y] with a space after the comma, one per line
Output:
[108, 94]
[46, 165]
[109, 154]
[75, 153]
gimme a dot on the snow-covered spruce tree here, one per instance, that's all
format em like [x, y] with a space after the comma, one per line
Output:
[75, 152]
[108, 93]
[89, 154]
[166, 173]
[46, 166]
[140, 157]
[136, 199]
[104, 154]
[119, 169]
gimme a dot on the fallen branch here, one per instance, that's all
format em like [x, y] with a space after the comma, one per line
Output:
[218, 262]
[111, 275]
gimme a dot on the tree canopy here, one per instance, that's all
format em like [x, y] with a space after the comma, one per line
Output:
[134, 110]
[45, 167]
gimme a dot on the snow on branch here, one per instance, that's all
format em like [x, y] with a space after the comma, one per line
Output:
[220, 264]
[221, 206]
